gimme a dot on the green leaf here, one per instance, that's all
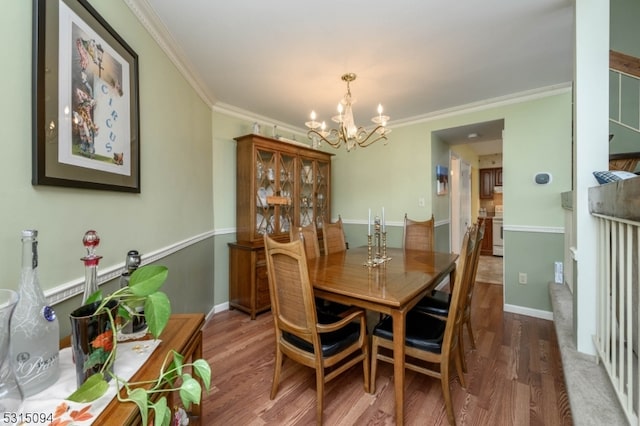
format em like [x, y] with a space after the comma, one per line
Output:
[139, 396]
[93, 388]
[203, 370]
[157, 310]
[95, 297]
[190, 391]
[147, 279]
[124, 313]
[177, 362]
[163, 413]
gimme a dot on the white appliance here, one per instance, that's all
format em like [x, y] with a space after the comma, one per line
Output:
[498, 245]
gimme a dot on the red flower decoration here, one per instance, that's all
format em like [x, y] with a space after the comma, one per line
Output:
[104, 340]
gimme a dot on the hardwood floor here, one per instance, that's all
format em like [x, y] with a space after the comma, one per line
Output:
[514, 377]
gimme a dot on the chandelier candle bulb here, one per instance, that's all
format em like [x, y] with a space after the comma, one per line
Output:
[383, 225]
[369, 223]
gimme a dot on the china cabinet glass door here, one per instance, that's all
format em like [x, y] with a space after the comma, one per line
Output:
[285, 192]
[265, 179]
[274, 183]
[322, 193]
[313, 192]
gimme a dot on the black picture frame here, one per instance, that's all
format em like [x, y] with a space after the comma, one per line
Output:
[85, 110]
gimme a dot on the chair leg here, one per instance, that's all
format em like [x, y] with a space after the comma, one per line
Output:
[374, 362]
[366, 365]
[470, 331]
[276, 373]
[446, 392]
[460, 367]
[319, 394]
[461, 350]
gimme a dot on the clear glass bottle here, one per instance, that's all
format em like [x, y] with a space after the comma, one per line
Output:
[91, 240]
[35, 332]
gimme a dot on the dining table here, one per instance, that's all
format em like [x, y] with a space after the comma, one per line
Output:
[392, 288]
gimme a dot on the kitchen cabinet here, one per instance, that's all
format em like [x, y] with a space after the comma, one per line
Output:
[278, 185]
[498, 176]
[486, 248]
[489, 178]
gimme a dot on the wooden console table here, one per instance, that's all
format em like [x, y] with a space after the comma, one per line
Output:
[183, 334]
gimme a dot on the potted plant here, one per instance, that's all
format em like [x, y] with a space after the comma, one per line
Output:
[145, 283]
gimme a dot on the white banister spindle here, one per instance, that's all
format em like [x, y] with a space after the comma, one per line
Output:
[618, 331]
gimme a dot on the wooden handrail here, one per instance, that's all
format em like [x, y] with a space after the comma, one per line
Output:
[624, 63]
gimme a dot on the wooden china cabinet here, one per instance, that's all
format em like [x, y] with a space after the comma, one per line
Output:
[278, 185]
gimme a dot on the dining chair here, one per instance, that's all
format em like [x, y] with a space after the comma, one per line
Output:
[327, 343]
[309, 235]
[430, 341]
[438, 302]
[418, 235]
[333, 237]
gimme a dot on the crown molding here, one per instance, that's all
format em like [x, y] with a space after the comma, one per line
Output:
[511, 99]
[158, 31]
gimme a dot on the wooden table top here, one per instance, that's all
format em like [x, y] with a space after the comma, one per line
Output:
[392, 284]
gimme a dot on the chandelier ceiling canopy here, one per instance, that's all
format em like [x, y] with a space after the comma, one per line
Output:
[347, 132]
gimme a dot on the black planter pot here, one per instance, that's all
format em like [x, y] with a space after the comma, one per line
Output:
[92, 339]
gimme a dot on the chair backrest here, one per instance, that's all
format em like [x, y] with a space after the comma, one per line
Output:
[333, 237]
[309, 236]
[292, 301]
[458, 297]
[475, 258]
[418, 235]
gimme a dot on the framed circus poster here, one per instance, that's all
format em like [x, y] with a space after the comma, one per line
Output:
[85, 100]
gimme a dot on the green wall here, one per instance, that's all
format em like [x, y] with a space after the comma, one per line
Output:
[537, 138]
[176, 202]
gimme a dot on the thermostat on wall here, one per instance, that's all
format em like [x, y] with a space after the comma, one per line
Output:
[542, 178]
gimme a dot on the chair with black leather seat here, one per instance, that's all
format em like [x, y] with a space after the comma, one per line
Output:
[309, 236]
[430, 341]
[418, 235]
[327, 343]
[438, 302]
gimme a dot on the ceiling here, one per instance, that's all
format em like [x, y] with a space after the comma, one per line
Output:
[281, 59]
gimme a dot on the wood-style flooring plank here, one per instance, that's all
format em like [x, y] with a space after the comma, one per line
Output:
[514, 377]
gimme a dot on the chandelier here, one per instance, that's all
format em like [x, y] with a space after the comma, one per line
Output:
[347, 132]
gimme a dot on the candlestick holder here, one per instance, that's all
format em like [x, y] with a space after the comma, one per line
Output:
[369, 250]
[379, 240]
[384, 247]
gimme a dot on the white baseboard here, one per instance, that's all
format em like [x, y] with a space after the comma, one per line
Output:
[220, 308]
[521, 310]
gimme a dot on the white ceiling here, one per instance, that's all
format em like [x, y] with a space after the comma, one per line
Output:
[280, 59]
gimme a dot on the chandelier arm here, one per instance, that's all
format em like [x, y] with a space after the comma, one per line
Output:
[368, 141]
[335, 144]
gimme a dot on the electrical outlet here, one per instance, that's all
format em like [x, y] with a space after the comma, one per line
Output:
[522, 277]
[420, 202]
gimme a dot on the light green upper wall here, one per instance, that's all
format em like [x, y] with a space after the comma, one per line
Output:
[176, 202]
[537, 138]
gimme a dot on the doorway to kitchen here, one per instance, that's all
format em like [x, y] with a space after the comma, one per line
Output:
[480, 145]
[460, 200]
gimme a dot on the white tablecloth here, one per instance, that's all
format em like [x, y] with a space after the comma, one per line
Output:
[131, 356]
